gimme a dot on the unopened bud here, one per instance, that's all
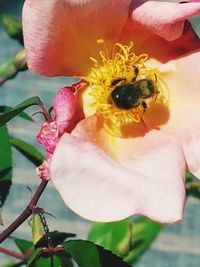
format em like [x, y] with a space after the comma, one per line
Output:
[20, 60]
[13, 27]
[12, 66]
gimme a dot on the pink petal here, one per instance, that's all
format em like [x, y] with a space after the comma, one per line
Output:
[61, 35]
[147, 34]
[189, 135]
[164, 18]
[182, 79]
[147, 180]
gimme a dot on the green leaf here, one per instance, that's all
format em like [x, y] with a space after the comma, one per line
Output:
[61, 259]
[22, 244]
[23, 114]
[189, 177]
[114, 236]
[87, 254]
[34, 257]
[45, 262]
[27, 150]
[39, 258]
[10, 264]
[65, 259]
[5, 164]
[4, 118]
[13, 27]
[56, 237]
[144, 232]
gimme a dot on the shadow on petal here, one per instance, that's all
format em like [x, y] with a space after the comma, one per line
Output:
[157, 114]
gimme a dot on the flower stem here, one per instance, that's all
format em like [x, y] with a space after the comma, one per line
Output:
[26, 213]
[12, 253]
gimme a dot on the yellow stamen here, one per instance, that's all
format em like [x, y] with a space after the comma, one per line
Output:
[122, 64]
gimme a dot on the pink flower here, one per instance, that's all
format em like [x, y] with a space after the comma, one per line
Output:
[121, 160]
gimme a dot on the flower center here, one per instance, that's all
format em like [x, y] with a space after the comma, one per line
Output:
[123, 86]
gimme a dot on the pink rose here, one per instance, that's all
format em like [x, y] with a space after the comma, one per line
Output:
[130, 157]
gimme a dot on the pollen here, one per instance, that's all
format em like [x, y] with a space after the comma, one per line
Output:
[122, 68]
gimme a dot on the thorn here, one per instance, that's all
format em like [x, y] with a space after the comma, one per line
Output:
[42, 211]
[50, 214]
[50, 109]
[1, 219]
[39, 112]
[30, 190]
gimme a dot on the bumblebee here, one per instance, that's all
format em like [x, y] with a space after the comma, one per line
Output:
[127, 95]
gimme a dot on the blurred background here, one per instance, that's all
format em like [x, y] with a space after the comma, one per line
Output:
[176, 246]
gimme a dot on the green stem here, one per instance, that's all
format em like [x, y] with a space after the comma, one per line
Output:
[193, 185]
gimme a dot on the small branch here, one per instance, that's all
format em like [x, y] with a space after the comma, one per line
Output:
[2, 81]
[12, 253]
[193, 185]
[26, 213]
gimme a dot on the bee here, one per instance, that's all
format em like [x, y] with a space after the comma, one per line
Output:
[127, 95]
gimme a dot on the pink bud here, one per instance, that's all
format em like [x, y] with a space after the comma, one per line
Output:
[43, 170]
[65, 105]
[48, 136]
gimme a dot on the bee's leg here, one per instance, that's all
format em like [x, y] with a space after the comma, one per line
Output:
[116, 81]
[156, 95]
[136, 71]
[144, 107]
